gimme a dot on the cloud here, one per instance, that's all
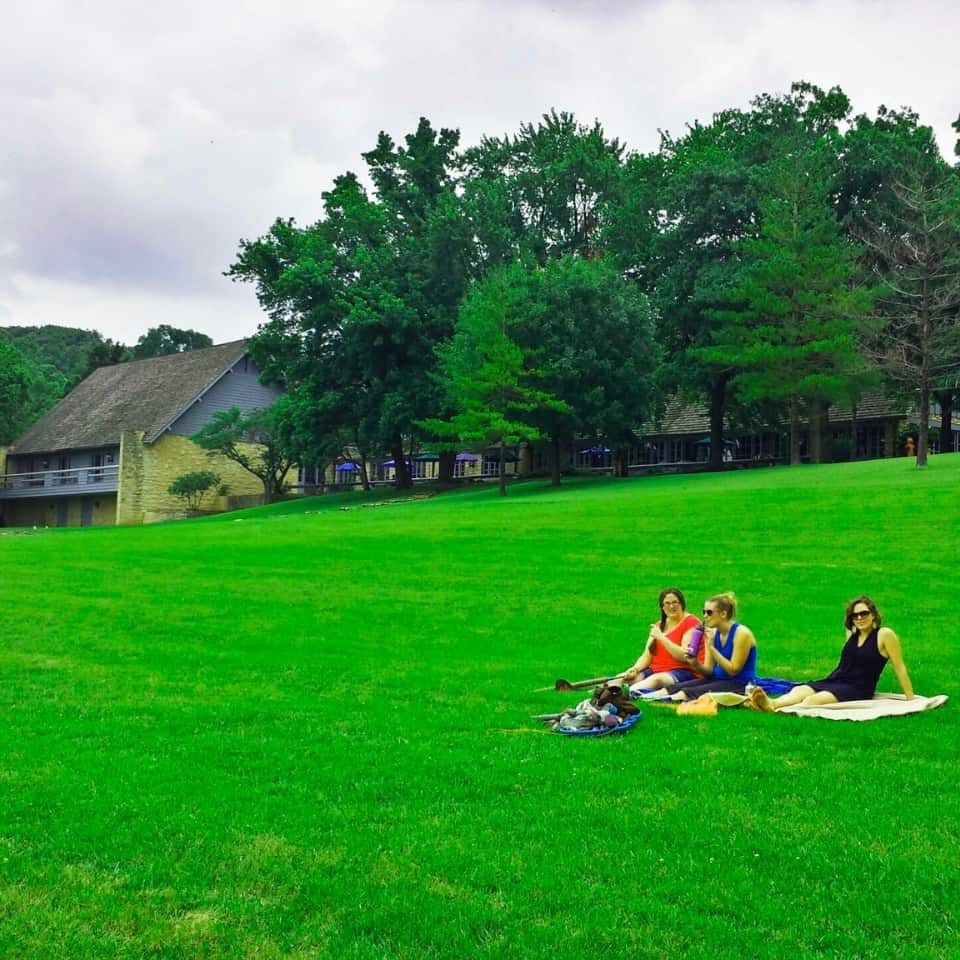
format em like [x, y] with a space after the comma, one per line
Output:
[142, 142]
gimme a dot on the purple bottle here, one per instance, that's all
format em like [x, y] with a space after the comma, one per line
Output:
[695, 641]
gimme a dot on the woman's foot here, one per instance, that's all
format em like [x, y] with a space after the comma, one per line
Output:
[758, 700]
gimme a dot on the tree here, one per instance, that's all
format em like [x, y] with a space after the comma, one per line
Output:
[793, 319]
[253, 442]
[359, 301]
[105, 352]
[545, 192]
[191, 488]
[14, 391]
[914, 239]
[491, 383]
[164, 340]
[593, 334]
[708, 205]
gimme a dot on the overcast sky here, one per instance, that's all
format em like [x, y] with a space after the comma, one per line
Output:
[141, 141]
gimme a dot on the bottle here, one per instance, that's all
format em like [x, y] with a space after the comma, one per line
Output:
[695, 641]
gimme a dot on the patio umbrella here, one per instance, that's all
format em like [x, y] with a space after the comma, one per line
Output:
[706, 441]
[347, 468]
[467, 458]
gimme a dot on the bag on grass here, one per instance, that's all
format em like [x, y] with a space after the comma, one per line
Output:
[608, 709]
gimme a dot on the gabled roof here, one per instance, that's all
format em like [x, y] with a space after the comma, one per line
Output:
[147, 395]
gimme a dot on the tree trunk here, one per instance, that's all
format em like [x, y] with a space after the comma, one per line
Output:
[621, 467]
[555, 462]
[402, 478]
[819, 452]
[503, 469]
[794, 432]
[718, 400]
[446, 466]
[854, 453]
[924, 431]
[945, 399]
[364, 476]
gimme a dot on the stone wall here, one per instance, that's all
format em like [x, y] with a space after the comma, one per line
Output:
[147, 470]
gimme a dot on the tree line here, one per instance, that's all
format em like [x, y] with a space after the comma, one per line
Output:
[40, 365]
[551, 285]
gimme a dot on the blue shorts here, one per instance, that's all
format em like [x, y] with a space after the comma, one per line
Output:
[679, 676]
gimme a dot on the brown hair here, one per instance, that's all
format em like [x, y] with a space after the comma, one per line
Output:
[727, 602]
[665, 593]
[848, 617]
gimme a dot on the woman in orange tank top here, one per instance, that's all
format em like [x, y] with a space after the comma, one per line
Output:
[668, 643]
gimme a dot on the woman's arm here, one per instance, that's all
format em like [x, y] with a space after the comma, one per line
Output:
[674, 649]
[743, 643]
[630, 675]
[889, 644]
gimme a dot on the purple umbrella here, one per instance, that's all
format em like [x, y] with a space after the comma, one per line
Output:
[467, 458]
[347, 468]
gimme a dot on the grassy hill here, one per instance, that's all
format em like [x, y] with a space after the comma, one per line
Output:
[303, 731]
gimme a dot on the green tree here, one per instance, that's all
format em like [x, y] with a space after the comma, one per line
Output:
[795, 318]
[14, 391]
[545, 192]
[251, 440]
[105, 352]
[164, 340]
[359, 301]
[593, 334]
[491, 383]
[709, 203]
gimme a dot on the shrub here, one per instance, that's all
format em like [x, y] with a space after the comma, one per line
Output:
[192, 487]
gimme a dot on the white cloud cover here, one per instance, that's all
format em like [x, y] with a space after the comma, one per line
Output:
[143, 141]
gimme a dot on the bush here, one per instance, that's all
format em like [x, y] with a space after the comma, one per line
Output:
[192, 487]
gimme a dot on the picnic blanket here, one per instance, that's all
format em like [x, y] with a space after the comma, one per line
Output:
[882, 705]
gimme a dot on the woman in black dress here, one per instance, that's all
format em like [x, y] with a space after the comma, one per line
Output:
[868, 649]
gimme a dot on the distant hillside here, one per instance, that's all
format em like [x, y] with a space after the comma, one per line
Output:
[66, 349]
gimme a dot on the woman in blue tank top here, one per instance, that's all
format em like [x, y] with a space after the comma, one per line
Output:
[868, 649]
[731, 653]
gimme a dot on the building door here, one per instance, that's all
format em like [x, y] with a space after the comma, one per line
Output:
[62, 506]
[86, 512]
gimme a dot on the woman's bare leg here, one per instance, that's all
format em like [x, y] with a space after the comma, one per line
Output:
[760, 700]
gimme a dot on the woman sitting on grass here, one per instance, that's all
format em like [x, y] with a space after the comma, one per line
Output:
[664, 659]
[730, 658]
[868, 649]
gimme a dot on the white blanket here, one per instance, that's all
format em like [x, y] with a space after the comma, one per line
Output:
[882, 705]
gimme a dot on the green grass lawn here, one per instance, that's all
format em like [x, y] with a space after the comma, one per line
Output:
[305, 731]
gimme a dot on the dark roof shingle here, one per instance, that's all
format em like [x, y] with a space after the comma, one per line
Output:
[145, 395]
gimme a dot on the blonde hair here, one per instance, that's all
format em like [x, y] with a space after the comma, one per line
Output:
[727, 602]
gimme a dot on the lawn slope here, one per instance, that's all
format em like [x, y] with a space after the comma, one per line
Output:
[303, 731]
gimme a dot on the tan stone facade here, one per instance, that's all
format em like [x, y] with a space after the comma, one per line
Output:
[147, 470]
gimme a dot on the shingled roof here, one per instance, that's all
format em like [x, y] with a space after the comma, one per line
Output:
[145, 395]
[681, 418]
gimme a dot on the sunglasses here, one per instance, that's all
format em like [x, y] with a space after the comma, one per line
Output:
[709, 613]
[860, 614]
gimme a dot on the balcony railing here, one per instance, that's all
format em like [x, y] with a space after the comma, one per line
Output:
[60, 483]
